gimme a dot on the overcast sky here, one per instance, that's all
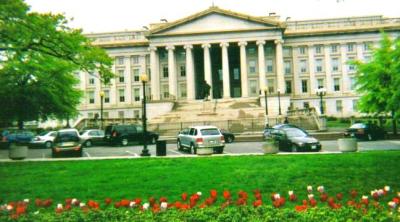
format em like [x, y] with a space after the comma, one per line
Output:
[119, 15]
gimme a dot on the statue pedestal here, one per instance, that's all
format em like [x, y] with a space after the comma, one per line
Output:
[208, 108]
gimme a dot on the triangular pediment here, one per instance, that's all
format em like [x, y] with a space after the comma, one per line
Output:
[215, 19]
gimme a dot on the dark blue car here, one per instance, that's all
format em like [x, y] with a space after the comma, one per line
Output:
[16, 136]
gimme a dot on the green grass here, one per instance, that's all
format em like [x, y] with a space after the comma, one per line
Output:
[170, 177]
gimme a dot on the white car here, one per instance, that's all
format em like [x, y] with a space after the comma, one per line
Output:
[198, 137]
[92, 137]
[44, 139]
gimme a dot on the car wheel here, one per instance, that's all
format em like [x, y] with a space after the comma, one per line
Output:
[369, 137]
[124, 142]
[229, 139]
[48, 144]
[219, 150]
[294, 148]
[193, 149]
[179, 145]
[88, 143]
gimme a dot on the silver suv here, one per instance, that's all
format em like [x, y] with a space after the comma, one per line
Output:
[200, 137]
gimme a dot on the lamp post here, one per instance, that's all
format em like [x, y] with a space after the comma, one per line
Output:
[279, 101]
[321, 92]
[266, 100]
[145, 151]
[101, 109]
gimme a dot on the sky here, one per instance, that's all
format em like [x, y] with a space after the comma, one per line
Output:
[119, 15]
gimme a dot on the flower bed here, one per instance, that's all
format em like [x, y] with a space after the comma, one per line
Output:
[318, 205]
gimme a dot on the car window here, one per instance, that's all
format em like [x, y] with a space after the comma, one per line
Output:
[185, 131]
[358, 125]
[93, 133]
[54, 134]
[100, 132]
[293, 132]
[139, 129]
[209, 132]
[66, 136]
[192, 131]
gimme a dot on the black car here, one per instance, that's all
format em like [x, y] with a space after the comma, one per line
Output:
[67, 143]
[268, 130]
[365, 131]
[295, 140]
[123, 134]
[228, 136]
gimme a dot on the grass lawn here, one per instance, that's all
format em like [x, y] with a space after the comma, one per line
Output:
[170, 177]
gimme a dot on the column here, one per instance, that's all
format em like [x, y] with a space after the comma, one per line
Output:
[172, 79]
[296, 73]
[345, 76]
[243, 69]
[207, 67]
[225, 70]
[155, 77]
[328, 70]
[311, 69]
[261, 64]
[279, 66]
[189, 72]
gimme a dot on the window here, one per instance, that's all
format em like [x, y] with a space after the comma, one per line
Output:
[288, 86]
[351, 67]
[182, 89]
[136, 114]
[165, 91]
[91, 97]
[91, 80]
[334, 48]
[352, 83]
[165, 71]
[339, 107]
[367, 46]
[336, 84]
[350, 47]
[355, 103]
[306, 105]
[120, 61]
[121, 75]
[135, 59]
[253, 87]
[318, 49]
[271, 85]
[136, 94]
[252, 67]
[251, 50]
[121, 94]
[121, 114]
[147, 59]
[287, 52]
[236, 74]
[182, 70]
[303, 66]
[304, 86]
[288, 67]
[318, 65]
[268, 50]
[136, 77]
[269, 65]
[320, 83]
[302, 50]
[335, 64]
[106, 96]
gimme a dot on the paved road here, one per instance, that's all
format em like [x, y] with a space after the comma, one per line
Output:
[233, 148]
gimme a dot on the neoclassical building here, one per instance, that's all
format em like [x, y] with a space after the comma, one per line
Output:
[240, 56]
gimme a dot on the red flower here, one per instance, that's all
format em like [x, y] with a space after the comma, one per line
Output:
[178, 204]
[301, 208]
[38, 202]
[68, 201]
[243, 194]
[85, 209]
[155, 208]
[257, 203]
[241, 202]
[107, 201]
[93, 204]
[184, 196]
[59, 210]
[313, 202]
[305, 202]
[258, 196]
[353, 193]
[138, 201]
[365, 201]
[293, 197]
[47, 203]
[213, 194]
[375, 195]
[152, 201]
[339, 196]
[21, 209]
[396, 200]
[323, 197]
[124, 203]
[117, 204]
[227, 195]
[209, 201]
[67, 207]
[163, 199]
[351, 203]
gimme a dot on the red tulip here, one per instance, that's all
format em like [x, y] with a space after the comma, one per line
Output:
[313, 202]
[353, 193]
[107, 201]
[213, 194]
[163, 199]
[323, 197]
[184, 196]
[257, 203]
[301, 208]
[227, 195]
[339, 196]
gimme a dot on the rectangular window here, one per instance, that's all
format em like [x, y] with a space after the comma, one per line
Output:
[335, 64]
[120, 61]
[106, 96]
[182, 90]
[336, 84]
[355, 103]
[303, 66]
[268, 50]
[367, 46]
[271, 85]
[288, 84]
[352, 83]
[269, 64]
[182, 70]
[306, 105]
[350, 47]
[91, 97]
[320, 83]
[236, 74]
[318, 65]
[121, 75]
[165, 71]
[165, 91]
[147, 59]
[136, 114]
[121, 94]
[252, 67]
[334, 48]
[302, 50]
[351, 67]
[253, 87]
[339, 106]
[251, 50]
[136, 94]
[318, 49]
[121, 114]
[135, 59]
[91, 81]
[304, 86]
[136, 77]
[287, 52]
[288, 67]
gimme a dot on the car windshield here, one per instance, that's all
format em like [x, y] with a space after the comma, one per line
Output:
[293, 132]
[209, 132]
[358, 126]
[67, 137]
[43, 133]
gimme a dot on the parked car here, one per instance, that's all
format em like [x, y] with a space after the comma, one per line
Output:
[198, 137]
[44, 139]
[268, 130]
[123, 134]
[365, 131]
[228, 136]
[92, 137]
[292, 139]
[15, 136]
[67, 143]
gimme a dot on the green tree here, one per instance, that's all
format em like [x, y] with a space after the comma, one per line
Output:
[378, 80]
[39, 56]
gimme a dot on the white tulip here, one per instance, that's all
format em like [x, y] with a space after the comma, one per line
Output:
[132, 204]
[82, 204]
[387, 188]
[290, 192]
[199, 193]
[146, 206]
[164, 205]
[26, 200]
[310, 196]
[59, 206]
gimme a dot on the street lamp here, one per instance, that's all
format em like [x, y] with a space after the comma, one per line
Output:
[101, 109]
[145, 151]
[279, 101]
[321, 92]
[266, 99]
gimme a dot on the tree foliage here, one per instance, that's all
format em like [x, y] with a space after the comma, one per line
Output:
[378, 80]
[39, 56]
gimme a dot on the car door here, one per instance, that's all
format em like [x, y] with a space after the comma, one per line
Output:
[137, 132]
[183, 136]
[279, 136]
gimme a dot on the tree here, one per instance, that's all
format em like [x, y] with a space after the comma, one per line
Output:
[378, 80]
[39, 56]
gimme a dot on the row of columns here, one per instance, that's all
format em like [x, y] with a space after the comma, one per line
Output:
[172, 77]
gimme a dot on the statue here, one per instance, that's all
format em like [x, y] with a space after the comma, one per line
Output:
[206, 90]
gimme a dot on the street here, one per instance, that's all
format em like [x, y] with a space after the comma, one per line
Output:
[235, 148]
